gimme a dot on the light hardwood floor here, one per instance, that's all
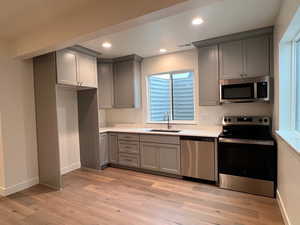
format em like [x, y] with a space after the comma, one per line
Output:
[122, 197]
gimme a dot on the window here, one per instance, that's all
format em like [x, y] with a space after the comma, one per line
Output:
[289, 86]
[173, 94]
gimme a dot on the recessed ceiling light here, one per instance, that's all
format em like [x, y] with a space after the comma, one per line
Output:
[197, 21]
[163, 50]
[106, 44]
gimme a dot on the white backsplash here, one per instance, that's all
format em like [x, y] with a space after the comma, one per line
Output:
[208, 115]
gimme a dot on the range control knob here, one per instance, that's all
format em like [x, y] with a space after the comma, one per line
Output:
[225, 119]
[260, 120]
[266, 120]
[229, 120]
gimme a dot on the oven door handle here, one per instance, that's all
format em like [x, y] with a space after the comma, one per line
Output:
[245, 141]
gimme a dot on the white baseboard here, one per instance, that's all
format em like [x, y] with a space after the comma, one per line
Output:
[70, 168]
[5, 191]
[283, 210]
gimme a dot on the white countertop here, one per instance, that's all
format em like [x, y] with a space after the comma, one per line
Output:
[212, 132]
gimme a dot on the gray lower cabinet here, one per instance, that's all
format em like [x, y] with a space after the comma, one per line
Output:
[160, 157]
[129, 147]
[129, 150]
[103, 149]
[113, 155]
[130, 160]
[208, 75]
[150, 156]
[169, 158]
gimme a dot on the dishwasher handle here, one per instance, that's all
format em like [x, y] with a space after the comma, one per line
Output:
[196, 138]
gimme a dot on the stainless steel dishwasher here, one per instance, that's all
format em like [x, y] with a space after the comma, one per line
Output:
[198, 157]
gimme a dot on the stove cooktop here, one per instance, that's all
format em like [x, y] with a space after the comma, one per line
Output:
[247, 127]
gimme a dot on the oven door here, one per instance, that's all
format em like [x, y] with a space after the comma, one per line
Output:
[247, 166]
[242, 92]
[247, 158]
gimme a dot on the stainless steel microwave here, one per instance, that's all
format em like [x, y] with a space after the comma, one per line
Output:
[245, 90]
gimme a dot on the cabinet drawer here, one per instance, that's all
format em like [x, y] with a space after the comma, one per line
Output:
[132, 147]
[129, 137]
[129, 160]
[163, 139]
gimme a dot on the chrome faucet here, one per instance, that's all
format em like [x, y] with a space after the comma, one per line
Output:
[167, 118]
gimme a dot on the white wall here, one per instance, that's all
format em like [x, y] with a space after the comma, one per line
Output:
[19, 167]
[288, 160]
[67, 116]
[2, 175]
[204, 115]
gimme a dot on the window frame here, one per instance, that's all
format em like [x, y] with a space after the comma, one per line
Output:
[171, 105]
[293, 84]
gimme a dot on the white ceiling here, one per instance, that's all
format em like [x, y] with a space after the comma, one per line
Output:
[19, 17]
[221, 17]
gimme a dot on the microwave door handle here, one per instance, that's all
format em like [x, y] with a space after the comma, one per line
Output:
[255, 90]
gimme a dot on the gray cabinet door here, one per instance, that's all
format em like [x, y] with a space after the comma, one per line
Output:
[231, 60]
[202, 152]
[208, 75]
[103, 149]
[257, 56]
[113, 148]
[124, 84]
[66, 62]
[150, 156]
[105, 85]
[87, 70]
[169, 158]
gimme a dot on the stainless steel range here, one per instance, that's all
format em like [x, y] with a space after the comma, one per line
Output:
[247, 155]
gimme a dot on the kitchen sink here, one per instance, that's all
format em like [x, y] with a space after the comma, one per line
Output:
[164, 130]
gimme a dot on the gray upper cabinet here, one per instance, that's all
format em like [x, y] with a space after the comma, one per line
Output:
[105, 85]
[246, 58]
[240, 55]
[87, 70]
[231, 60]
[208, 75]
[257, 56]
[76, 69]
[66, 61]
[126, 82]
